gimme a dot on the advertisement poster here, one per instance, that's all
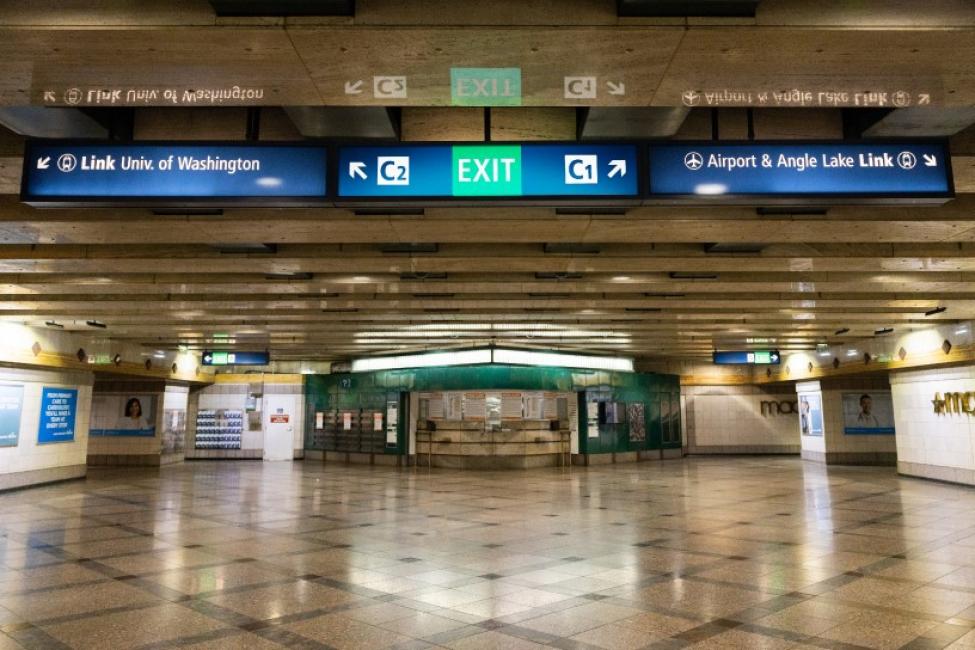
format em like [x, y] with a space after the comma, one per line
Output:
[635, 416]
[174, 431]
[123, 415]
[592, 419]
[870, 413]
[392, 420]
[811, 414]
[11, 405]
[59, 406]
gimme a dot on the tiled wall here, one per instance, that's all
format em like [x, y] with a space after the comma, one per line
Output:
[729, 419]
[932, 445]
[30, 463]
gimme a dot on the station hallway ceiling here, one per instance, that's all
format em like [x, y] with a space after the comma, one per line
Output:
[332, 283]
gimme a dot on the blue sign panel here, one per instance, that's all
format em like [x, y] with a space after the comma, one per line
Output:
[11, 406]
[59, 406]
[91, 173]
[226, 358]
[752, 357]
[801, 170]
[489, 171]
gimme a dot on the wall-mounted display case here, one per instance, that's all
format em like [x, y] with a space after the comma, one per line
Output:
[219, 428]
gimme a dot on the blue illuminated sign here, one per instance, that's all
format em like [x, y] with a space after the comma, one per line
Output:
[747, 357]
[489, 171]
[91, 173]
[59, 406]
[227, 358]
[11, 406]
[719, 172]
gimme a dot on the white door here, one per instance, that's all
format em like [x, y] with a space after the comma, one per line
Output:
[279, 427]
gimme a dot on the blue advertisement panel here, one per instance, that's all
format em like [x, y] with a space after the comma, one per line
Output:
[123, 415]
[753, 357]
[798, 169]
[59, 172]
[489, 171]
[811, 414]
[59, 406]
[11, 407]
[868, 414]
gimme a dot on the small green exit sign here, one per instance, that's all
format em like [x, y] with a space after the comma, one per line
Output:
[485, 86]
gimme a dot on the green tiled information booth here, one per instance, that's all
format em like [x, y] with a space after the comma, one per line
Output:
[617, 415]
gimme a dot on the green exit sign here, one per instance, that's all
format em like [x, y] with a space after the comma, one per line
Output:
[485, 86]
[486, 170]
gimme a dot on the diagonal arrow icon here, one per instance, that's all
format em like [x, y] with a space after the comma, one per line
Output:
[616, 88]
[929, 160]
[49, 96]
[44, 163]
[617, 167]
[357, 168]
[353, 88]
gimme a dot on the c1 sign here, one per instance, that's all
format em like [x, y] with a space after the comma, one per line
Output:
[489, 171]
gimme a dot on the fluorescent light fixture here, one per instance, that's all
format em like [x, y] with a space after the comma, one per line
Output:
[458, 358]
[95, 323]
[532, 358]
[936, 310]
[499, 355]
[883, 330]
[51, 323]
[159, 354]
[710, 189]
[851, 353]
[961, 330]
[842, 330]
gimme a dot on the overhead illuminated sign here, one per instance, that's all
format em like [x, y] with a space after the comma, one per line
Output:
[110, 173]
[226, 358]
[489, 171]
[497, 356]
[807, 171]
[747, 357]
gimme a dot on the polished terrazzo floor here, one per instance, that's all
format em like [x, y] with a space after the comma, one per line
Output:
[703, 553]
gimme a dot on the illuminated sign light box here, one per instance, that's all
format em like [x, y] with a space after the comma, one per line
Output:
[573, 173]
[487, 356]
[801, 173]
[234, 358]
[747, 357]
[96, 174]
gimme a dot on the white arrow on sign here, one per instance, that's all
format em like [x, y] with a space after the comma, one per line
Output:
[49, 96]
[617, 167]
[353, 88]
[923, 98]
[207, 358]
[929, 160]
[357, 168]
[774, 357]
[616, 89]
[44, 163]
